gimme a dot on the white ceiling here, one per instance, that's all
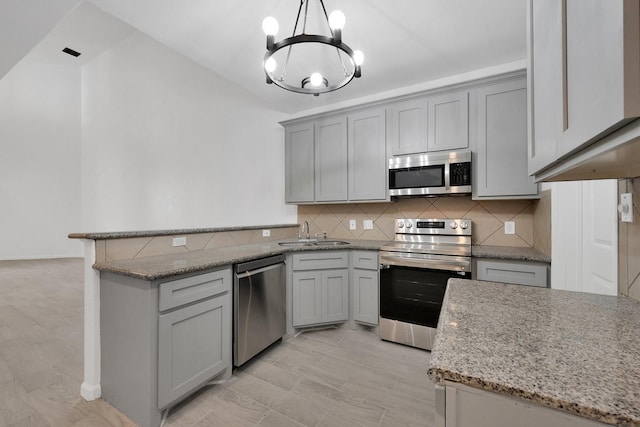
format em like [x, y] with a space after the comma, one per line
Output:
[405, 42]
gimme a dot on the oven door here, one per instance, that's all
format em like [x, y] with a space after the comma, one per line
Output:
[414, 295]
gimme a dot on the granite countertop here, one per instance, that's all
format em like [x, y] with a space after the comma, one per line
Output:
[171, 232]
[162, 266]
[509, 253]
[573, 351]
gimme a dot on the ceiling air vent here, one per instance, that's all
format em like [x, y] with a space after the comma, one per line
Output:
[71, 52]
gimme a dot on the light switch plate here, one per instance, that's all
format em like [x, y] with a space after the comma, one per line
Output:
[352, 224]
[509, 227]
[367, 224]
[266, 233]
[179, 241]
[626, 207]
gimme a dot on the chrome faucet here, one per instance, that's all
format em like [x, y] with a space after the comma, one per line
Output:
[305, 226]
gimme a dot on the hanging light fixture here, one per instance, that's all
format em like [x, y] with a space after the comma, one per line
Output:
[346, 65]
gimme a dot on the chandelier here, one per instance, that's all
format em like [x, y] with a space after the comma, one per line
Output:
[315, 70]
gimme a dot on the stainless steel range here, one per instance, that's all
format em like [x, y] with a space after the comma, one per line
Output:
[414, 271]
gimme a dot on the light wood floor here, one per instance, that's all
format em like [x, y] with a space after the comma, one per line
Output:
[333, 377]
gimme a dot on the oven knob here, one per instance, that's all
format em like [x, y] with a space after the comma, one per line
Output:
[453, 225]
[464, 225]
[400, 224]
[408, 224]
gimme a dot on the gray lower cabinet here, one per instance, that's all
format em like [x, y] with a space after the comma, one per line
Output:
[163, 339]
[500, 142]
[365, 287]
[320, 288]
[531, 273]
[458, 405]
[190, 347]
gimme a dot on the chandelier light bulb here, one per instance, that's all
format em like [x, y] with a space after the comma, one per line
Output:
[358, 57]
[270, 65]
[337, 20]
[316, 79]
[270, 26]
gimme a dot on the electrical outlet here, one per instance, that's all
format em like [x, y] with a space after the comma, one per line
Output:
[509, 227]
[367, 224]
[266, 233]
[352, 224]
[179, 241]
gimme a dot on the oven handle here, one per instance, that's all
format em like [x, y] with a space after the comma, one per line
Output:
[434, 264]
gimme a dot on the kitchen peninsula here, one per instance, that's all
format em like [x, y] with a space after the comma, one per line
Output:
[509, 351]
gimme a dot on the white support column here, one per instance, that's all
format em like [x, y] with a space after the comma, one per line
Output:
[90, 388]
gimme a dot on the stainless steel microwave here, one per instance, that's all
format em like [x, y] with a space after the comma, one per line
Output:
[430, 174]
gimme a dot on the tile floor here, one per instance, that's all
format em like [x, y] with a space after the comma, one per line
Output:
[333, 377]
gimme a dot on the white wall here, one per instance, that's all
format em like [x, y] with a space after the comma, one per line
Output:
[169, 144]
[23, 23]
[39, 161]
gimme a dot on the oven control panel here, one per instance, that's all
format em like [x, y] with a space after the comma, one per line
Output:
[443, 226]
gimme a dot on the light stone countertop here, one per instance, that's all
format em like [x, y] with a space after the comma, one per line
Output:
[162, 266]
[509, 253]
[572, 351]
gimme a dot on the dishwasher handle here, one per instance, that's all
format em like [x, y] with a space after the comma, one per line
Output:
[258, 263]
[258, 271]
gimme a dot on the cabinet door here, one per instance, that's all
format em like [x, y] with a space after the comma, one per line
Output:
[501, 136]
[408, 126]
[194, 345]
[306, 292]
[602, 69]
[545, 81]
[367, 155]
[299, 163]
[448, 121]
[365, 296]
[331, 160]
[335, 295]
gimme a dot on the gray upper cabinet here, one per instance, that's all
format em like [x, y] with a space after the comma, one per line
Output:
[500, 152]
[331, 160]
[448, 121]
[602, 78]
[367, 155]
[435, 122]
[337, 159]
[407, 126]
[545, 82]
[299, 163]
[585, 80]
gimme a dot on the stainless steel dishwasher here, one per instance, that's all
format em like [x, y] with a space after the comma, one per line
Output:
[259, 312]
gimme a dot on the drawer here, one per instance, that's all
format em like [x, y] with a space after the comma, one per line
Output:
[184, 291]
[320, 260]
[516, 272]
[366, 260]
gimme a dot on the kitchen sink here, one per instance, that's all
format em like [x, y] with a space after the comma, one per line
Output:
[330, 243]
[295, 244]
[314, 243]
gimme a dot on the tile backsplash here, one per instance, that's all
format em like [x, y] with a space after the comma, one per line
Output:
[532, 219]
